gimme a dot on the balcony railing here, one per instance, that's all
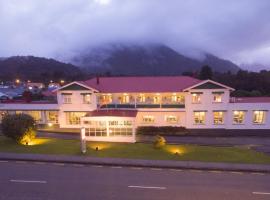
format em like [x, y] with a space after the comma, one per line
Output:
[142, 106]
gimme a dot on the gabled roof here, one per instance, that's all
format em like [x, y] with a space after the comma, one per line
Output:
[141, 84]
[81, 84]
[208, 84]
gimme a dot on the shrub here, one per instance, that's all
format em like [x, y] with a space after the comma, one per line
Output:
[19, 127]
[159, 142]
[161, 130]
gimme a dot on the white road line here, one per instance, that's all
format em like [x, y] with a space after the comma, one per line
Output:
[137, 168]
[147, 187]
[39, 163]
[3, 161]
[96, 166]
[157, 169]
[237, 173]
[26, 181]
[59, 164]
[195, 170]
[257, 173]
[215, 171]
[176, 170]
[261, 193]
[116, 167]
[77, 165]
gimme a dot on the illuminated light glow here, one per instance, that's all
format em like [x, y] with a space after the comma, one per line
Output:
[174, 93]
[30, 87]
[17, 81]
[50, 124]
[103, 2]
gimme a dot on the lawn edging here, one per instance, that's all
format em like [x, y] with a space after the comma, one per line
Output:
[195, 165]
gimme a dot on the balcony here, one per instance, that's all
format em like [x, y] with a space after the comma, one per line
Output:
[130, 106]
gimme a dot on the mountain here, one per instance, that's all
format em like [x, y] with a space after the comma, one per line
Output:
[36, 69]
[146, 60]
[254, 67]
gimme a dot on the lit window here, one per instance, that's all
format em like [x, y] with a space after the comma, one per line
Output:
[171, 119]
[199, 117]
[156, 99]
[141, 98]
[52, 116]
[177, 98]
[66, 98]
[238, 117]
[86, 98]
[218, 118]
[217, 98]
[125, 98]
[148, 119]
[106, 99]
[259, 117]
[74, 118]
[196, 98]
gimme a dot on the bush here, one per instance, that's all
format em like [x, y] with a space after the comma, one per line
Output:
[161, 130]
[19, 127]
[159, 142]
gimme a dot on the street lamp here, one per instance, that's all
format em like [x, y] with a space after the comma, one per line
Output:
[83, 140]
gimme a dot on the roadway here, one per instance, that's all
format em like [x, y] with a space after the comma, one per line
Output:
[40, 181]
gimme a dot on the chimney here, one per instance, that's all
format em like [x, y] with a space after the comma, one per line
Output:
[97, 78]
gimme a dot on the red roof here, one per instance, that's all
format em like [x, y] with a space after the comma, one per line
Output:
[112, 113]
[250, 100]
[141, 84]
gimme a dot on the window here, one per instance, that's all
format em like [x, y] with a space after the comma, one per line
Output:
[74, 118]
[199, 117]
[96, 128]
[218, 98]
[66, 98]
[86, 98]
[259, 117]
[177, 98]
[218, 117]
[35, 114]
[238, 117]
[52, 117]
[141, 98]
[171, 119]
[148, 119]
[106, 99]
[125, 98]
[196, 98]
[156, 99]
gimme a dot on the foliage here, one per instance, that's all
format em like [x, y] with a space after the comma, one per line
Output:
[161, 130]
[206, 72]
[19, 127]
[159, 142]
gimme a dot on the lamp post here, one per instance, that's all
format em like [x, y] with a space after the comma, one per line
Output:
[83, 141]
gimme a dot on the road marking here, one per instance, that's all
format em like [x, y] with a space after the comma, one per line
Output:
[3, 161]
[156, 169]
[96, 166]
[215, 171]
[137, 168]
[77, 165]
[59, 164]
[39, 163]
[21, 162]
[261, 193]
[147, 187]
[237, 173]
[195, 170]
[26, 181]
[176, 170]
[116, 167]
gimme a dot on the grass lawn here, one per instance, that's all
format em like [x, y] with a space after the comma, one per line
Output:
[138, 151]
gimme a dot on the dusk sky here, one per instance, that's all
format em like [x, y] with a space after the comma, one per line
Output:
[236, 30]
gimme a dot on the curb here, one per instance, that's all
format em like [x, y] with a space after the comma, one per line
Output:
[185, 165]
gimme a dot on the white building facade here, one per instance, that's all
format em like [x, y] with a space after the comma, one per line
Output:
[111, 108]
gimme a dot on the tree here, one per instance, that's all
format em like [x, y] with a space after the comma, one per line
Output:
[19, 127]
[206, 72]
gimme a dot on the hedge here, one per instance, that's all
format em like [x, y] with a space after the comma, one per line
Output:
[161, 130]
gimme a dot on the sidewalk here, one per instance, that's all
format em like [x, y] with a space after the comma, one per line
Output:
[137, 162]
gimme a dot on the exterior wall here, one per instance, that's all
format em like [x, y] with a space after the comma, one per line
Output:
[207, 105]
[76, 105]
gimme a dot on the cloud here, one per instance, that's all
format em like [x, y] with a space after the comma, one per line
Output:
[237, 30]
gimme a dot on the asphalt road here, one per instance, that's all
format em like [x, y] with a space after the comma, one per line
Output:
[38, 181]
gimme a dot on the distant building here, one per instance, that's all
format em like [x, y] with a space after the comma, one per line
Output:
[111, 108]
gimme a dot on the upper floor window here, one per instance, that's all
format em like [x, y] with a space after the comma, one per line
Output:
[74, 118]
[199, 117]
[238, 117]
[86, 98]
[177, 98]
[218, 117]
[171, 119]
[196, 97]
[106, 99]
[148, 119]
[217, 97]
[259, 117]
[66, 98]
[156, 99]
[125, 98]
[141, 98]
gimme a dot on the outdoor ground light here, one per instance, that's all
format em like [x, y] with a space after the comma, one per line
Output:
[97, 149]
